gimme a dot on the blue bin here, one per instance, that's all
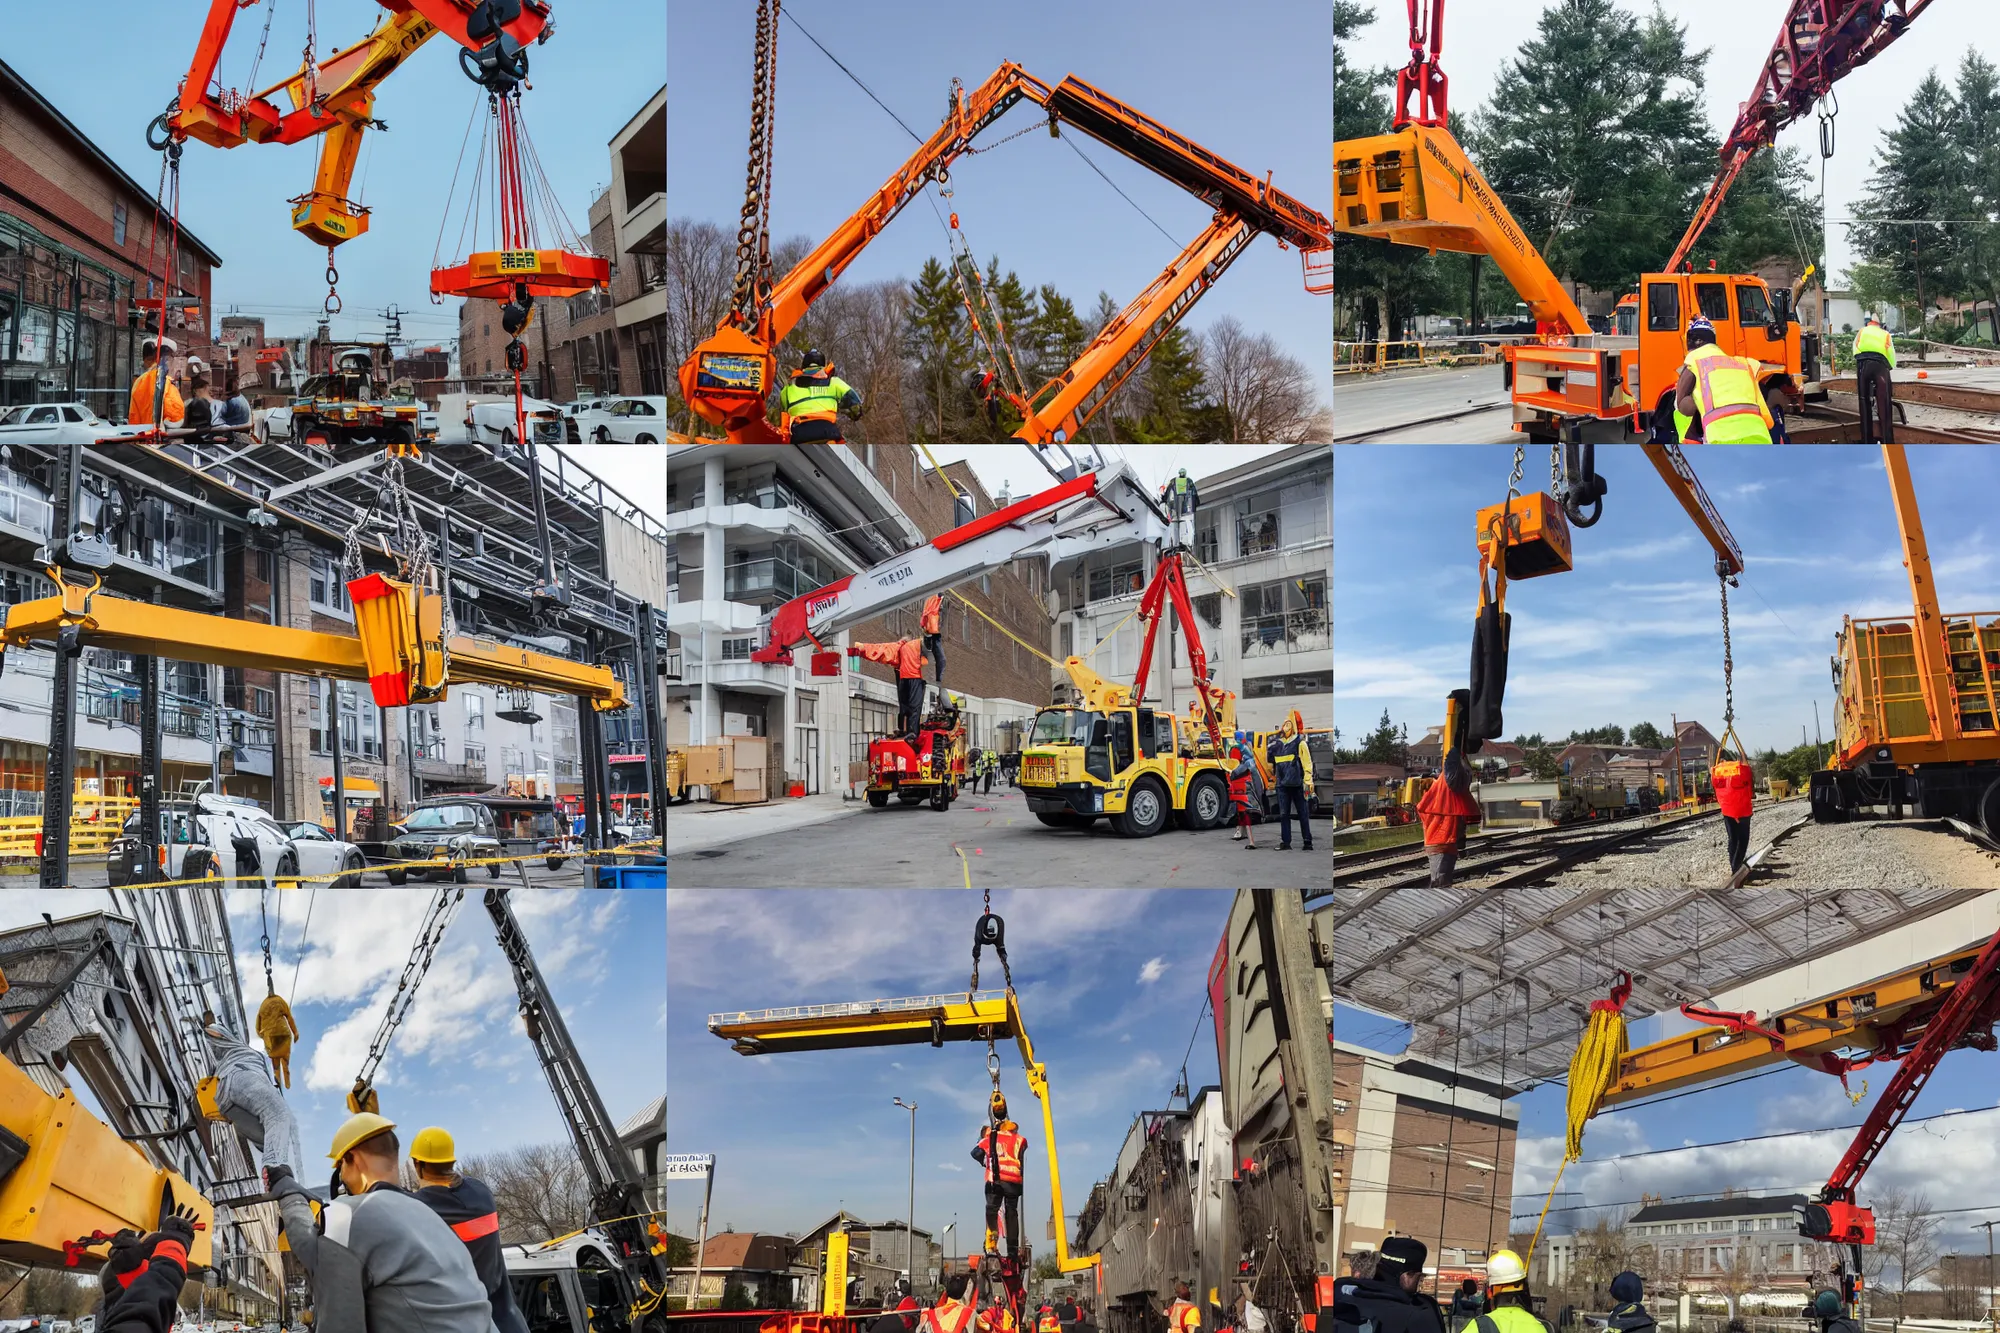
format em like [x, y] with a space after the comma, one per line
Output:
[632, 877]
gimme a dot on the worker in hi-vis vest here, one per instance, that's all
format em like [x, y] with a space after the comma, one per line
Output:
[1874, 358]
[1002, 1149]
[1721, 390]
[814, 399]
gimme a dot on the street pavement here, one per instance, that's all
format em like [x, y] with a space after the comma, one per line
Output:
[89, 873]
[1002, 846]
[1371, 408]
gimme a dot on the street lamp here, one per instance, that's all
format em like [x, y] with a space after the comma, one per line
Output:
[910, 1220]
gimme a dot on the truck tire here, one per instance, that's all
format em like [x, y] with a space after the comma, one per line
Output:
[879, 799]
[1989, 809]
[1207, 804]
[1146, 810]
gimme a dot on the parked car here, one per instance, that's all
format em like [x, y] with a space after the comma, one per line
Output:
[580, 418]
[209, 835]
[632, 421]
[320, 853]
[492, 423]
[446, 832]
[58, 423]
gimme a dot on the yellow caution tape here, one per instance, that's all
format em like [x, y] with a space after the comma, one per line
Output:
[296, 881]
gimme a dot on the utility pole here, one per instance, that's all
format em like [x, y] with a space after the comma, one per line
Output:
[1988, 1226]
[910, 1223]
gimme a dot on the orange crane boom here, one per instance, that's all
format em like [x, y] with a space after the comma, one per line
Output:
[728, 377]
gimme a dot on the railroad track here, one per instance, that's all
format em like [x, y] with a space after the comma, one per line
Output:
[1755, 861]
[1401, 427]
[1973, 835]
[1539, 854]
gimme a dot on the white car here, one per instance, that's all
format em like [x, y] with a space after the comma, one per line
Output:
[632, 421]
[492, 423]
[211, 835]
[58, 423]
[320, 853]
[580, 418]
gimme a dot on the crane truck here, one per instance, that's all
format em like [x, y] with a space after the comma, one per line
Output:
[1233, 1191]
[1416, 186]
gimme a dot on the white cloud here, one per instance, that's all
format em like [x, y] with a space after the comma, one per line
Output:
[1154, 969]
[949, 1166]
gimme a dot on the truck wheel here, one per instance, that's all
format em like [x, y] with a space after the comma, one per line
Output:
[397, 877]
[1146, 810]
[1057, 818]
[879, 799]
[1207, 800]
[1989, 809]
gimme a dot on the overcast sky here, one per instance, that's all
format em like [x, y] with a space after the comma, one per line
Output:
[1253, 84]
[111, 66]
[1634, 632]
[1111, 985]
[1480, 38]
[460, 1058]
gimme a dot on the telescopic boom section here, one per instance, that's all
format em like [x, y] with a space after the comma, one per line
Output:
[1928, 637]
[1170, 581]
[1819, 43]
[1092, 511]
[1672, 465]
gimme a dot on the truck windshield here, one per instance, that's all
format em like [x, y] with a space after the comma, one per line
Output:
[1062, 726]
[443, 816]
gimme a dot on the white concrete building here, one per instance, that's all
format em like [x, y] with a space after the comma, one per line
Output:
[1265, 531]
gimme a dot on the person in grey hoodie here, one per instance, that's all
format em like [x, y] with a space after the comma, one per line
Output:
[246, 1094]
[380, 1260]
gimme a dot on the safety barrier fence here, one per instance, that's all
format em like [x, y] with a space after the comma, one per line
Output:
[1374, 358]
[94, 822]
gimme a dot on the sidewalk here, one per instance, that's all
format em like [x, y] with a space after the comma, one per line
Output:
[697, 825]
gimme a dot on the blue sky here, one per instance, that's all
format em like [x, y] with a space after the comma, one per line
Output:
[605, 60]
[1253, 84]
[460, 1058]
[1634, 631]
[1111, 982]
[1683, 1146]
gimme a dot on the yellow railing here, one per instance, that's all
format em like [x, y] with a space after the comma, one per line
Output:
[93, 822]
[1881, 684]
[1373, 358]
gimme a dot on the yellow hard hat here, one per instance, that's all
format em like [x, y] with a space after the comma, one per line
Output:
[997, 1104]
[434, 1145]
[356, 1128]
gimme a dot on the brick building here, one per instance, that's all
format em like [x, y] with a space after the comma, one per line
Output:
[78, 244]
[1426, 1153]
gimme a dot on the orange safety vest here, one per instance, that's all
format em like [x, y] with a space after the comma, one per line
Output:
[933, 614]
[139, 411]
[906, 655]
[1003, 1153]
[1048, 1323]
[996, 1319]
[1182, 1317]
[948, 1316]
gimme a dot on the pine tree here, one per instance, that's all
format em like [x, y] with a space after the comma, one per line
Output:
[1179, 398]
[1922, 171]
[1054, 338]
[936, 338]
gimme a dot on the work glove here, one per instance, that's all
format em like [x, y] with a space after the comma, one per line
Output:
[279, 1181]
[129, 1251]
[178, 1225]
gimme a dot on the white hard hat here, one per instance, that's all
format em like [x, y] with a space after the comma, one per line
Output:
[197, 366]
[1505, 1269]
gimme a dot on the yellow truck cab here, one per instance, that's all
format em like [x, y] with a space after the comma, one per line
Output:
[1122, 763]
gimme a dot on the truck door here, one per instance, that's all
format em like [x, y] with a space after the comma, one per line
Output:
[1753, 314]
[1121, 741]
[1148, 734]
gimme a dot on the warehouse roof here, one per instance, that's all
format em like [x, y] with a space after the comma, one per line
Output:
[1741, 1205]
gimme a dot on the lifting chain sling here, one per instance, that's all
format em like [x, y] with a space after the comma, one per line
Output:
[412, 548]
[263, 898]
[990, 929]
[753, 237]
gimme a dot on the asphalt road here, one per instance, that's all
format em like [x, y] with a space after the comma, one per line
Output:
[89, 873]
[1379, 409]
[1003, 846]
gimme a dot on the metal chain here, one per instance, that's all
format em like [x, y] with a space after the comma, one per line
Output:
[1514, 481]
[263, 897]
[970, 151]
[332, 303]
[443, 908]
[1728, 662]
[750, 233]
[1555, 470]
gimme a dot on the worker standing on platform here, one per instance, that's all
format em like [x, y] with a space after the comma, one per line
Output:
[813, 402]
[1720, 390]
[1732, 779]
[951, 1314]
[1181, 496]
[379, 1261]
[1182, 1316]
[1002, 1149]
[1507, 1290]
[139, 412]
[467, 1207]
[1874, 358]
[934, 633]
[1388, 1302]
[907, 656]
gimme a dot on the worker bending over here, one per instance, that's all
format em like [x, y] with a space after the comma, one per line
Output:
[1182, 1316]
[1721, 391]
[907, 656]
[245, 1094]
[277, 1030]
[813, 401]
[379, 1261]
[951, 1314]
[934, 633]
[141, 1281]
[139, 411]
[467, 1207]
[1874, 358]
[1507, 1291]
[1002, 1149]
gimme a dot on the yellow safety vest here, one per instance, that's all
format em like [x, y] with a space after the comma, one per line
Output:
[1732, 405]
[805, 401]
[1874, 338]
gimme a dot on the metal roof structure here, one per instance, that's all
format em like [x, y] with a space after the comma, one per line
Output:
[1498, 986]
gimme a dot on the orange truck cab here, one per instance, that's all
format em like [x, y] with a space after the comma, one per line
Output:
[1613, 386]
